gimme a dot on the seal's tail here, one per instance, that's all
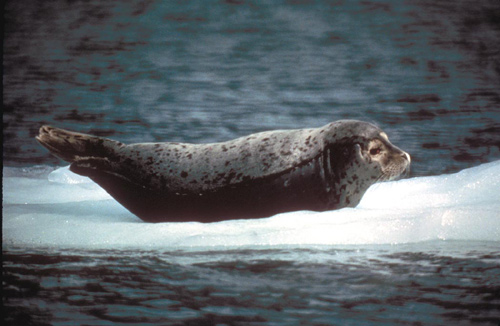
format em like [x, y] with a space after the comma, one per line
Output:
[72, 146]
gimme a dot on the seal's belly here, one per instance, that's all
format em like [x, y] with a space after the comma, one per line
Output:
[300, 188]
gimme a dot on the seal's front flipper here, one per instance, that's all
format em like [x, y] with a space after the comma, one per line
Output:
[136, 198]
[102, 171]
[90, 167]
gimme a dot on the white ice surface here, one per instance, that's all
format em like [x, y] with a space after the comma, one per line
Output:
[62, 209]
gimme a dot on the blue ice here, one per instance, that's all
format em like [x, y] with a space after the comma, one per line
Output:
[64, 210]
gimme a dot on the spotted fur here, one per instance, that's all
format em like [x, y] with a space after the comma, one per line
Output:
[254, 176]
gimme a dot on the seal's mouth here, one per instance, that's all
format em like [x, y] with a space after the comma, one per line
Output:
[405, 174]
[395, 171]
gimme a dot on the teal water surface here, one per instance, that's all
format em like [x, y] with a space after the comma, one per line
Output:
[201, 71]
[427, 72]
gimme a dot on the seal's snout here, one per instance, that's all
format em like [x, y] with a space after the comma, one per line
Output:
[406, 156]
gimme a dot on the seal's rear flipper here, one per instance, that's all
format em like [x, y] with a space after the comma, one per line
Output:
[72, 146]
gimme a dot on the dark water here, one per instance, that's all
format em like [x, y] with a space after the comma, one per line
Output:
[428, 72]
[448, 284]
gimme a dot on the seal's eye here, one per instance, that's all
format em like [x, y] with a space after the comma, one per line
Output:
[375, 151]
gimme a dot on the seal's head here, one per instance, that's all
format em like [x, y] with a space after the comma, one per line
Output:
[360, 154]
[374, 151]
[382, 155]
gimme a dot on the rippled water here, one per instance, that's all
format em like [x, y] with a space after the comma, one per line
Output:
[428, 72]
[428, 284]
[202, 71]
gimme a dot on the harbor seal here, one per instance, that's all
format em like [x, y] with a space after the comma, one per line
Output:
[256, 176]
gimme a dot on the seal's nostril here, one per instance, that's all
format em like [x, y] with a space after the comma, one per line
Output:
[406, 156]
